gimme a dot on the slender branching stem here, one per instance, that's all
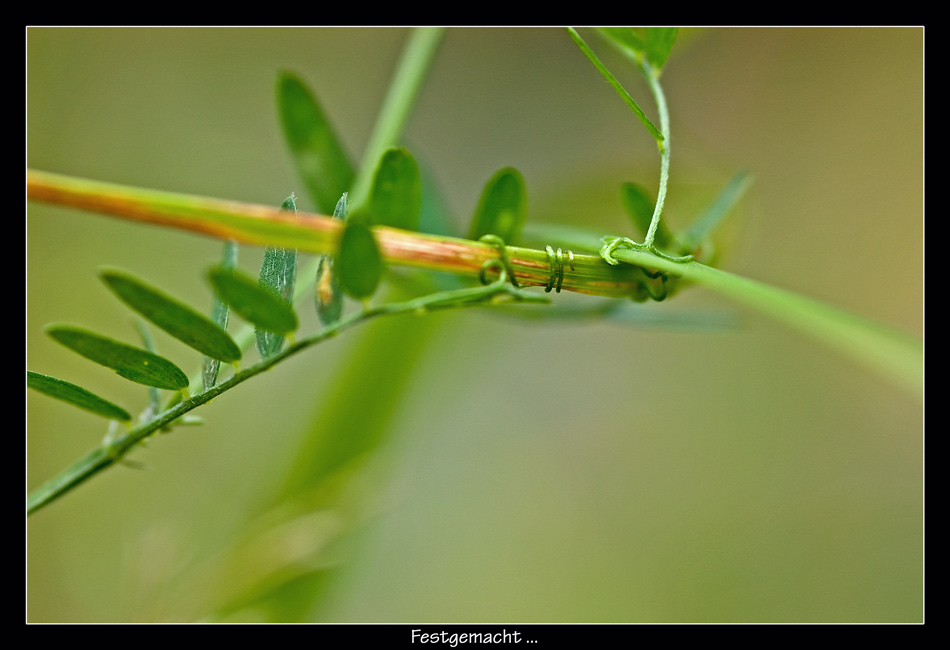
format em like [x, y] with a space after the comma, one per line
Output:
[115, 446]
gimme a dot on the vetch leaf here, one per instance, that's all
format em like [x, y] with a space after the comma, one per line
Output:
[320, 158]
[130, 362]
[626, 37]
[255, 304]
[502, 208]
[359, 262]
[219, 315]
[329, 297]
[396, 194]
[75, 395]
[278, 274]
[154, 395]
[659, 42]
[706, 224]
[652, 43]
[620, 90]
[434, 212]
[176, 318]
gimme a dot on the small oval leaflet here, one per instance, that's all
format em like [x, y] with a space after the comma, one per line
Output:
[502, 208]
[255, 304]
[396, 196]
[359, 263]
[130, 362]
[176, 318]
[320, 158]
[278, 275]
[219, 315]
[76, 395]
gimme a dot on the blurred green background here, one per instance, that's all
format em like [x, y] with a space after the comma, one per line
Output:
[530, 472]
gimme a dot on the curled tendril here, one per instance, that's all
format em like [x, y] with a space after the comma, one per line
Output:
[610, 244]
[503, 263]
[658, 296]
[497, 266]
[645, 290]
[556, 260]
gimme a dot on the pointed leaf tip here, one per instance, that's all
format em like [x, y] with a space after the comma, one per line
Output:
[653, 43]
[319, 156]
[130, 362]
[290, 203]
[75, 395]
[255, 304]
[659, 43]
[278, 275]
[219, 316]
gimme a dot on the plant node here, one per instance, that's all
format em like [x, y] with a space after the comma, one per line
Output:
[610, 244]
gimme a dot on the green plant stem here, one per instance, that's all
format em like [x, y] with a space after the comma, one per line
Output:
[263, 225]
[410, 73]
[662, 136]
[616, 85]
[390, 123]
[664, 112]
[315, 233]
[253, 228]
[893, 354]
[114, 448]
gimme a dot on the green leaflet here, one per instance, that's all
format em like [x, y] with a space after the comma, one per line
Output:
[654, 43]
[636, 200]
[396, 195]
[359, 262]
[320, 159]
[329, 298]
[705, 224]
[395, 201]
[154, 395]
[502, 208]
[625, 37]
[219, 315]
[620, 90]
[278, 274]
[75, 395]
[130, 362]
[255, 304]
[659, 43]
[176, 318]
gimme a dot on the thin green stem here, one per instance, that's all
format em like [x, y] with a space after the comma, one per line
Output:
[410, 73]
[616, 85]
[662, 137]
[893, 354]
[664, 112]
[114, 448]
